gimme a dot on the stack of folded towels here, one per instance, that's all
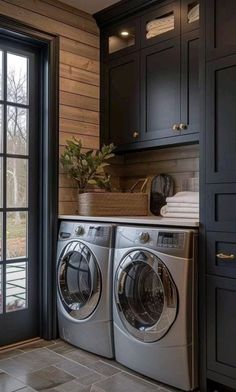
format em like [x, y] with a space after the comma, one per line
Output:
[160, 26]
[182, 205]
[193, 14]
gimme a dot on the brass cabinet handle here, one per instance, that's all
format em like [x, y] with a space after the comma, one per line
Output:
[176, 127]
[135, 135]
[183, 126]
[226, 257]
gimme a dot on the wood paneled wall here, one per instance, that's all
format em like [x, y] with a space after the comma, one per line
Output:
[180, 162]
[79, 74]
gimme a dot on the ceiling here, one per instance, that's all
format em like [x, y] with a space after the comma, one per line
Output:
[90, 6]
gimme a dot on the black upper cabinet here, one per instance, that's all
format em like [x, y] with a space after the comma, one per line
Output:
[220, 28]
[221, 120]
[150, 81]
[121, 122]
[190, 111]
[160, 24]
[160, 77]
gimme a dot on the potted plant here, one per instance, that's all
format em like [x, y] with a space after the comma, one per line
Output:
[87, 169]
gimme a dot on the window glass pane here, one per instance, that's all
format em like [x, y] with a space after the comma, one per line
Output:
[17, 130]
[16, 286]
[1, 182]
[16, 234]
[17, 78]
[17, 183]
[1, 241]
[1, 289]
[1, 75]
[1, 128]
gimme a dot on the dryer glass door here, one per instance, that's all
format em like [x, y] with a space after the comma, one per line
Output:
[79, 280]
[146, 296]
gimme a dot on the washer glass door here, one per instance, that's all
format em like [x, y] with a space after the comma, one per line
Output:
[146, 296]
[79, 280]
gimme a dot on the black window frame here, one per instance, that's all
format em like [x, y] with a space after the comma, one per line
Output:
[48, 45]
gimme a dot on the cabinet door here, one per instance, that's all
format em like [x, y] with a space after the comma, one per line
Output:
[221, 254]
[160, 23]
[220, 28]
[190, 14]
[190, 82]
[221, 327]
[160, 78]
[221, 120]
[120, 39]
[221, 211]
[121, 120]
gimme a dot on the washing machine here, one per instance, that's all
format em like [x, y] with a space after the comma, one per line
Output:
[84, 285]
[154, 307]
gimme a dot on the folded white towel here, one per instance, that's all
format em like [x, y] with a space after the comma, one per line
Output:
[190, 215]
[186, 205]
[167, 208]
[166, 21]
[194, 11]
[184, 197]
[191, 20]
[155, 32]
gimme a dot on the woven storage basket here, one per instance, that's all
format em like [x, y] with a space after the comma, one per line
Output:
[113, 203]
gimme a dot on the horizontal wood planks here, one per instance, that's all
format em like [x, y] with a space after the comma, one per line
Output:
[180, 162]
[79, 75]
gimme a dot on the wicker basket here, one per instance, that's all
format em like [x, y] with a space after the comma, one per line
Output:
[113, 203]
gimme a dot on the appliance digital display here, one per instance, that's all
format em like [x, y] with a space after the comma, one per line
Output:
[170, 240]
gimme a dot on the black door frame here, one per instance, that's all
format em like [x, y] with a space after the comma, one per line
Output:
[48, 45]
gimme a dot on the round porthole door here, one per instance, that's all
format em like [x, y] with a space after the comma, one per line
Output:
[79, 280]
[146, 296]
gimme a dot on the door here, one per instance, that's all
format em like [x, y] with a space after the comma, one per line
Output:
[221, 120]
[19, 193]
[220, 28]
[122, 100]
[221, 325]
[146, 296]
[160, 101]
[79, 280]
[190, 102]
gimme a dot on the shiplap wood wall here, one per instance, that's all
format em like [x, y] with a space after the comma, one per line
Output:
[180, 162]
[79, 74]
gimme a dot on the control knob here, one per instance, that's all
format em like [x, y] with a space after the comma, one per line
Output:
[144, 237]
[79, 230]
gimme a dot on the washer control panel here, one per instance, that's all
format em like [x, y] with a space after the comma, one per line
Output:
[170, 240]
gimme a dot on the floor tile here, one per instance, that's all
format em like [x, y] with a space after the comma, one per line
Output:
[5, 354]
[61, 347]
[123, 381]
[26, 389]
[84, 375]
[37, 344]
[82, 357]
[44, 379]
[71, 386]
[9, 384]
[104, 368]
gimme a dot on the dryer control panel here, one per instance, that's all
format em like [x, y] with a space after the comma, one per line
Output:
[170, 240]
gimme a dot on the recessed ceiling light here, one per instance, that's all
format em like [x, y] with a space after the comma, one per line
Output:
[124, 33]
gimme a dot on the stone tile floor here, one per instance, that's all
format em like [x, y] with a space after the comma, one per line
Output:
[56, 366]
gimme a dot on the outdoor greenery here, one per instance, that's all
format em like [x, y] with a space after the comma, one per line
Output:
[87, 168]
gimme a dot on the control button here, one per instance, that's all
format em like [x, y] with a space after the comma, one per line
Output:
[64, 235]
[144, 237]
[79, 230]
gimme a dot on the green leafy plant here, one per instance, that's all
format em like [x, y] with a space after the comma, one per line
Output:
[87, 168]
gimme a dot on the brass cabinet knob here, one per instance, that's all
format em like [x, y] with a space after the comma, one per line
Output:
[176, 127]
[223, 256]
[135, 135]
[183, 126]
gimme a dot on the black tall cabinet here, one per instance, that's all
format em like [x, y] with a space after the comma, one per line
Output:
[219, 193]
